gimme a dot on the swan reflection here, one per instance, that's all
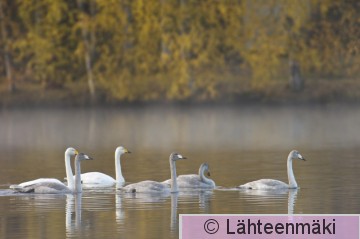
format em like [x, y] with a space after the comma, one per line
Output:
[73, 214]
[151, 201]
[201, 196]
[119, 212]
[174, 214]
[291, 200]
[274, 194]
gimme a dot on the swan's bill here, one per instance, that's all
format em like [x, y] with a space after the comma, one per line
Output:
[301, 157]
[83, 156]
[87, 157]
[181, 157]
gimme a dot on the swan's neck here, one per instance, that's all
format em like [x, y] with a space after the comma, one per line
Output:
[78, 188]
[69, 173]
[174, 186]
[203, 178]
[119, 177]
[291, 177]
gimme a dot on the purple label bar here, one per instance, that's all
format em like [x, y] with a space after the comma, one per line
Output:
[269, 226]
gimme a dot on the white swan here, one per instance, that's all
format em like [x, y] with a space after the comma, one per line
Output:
[149, 186]
[271, 184]
[96, 179]
[199, 181]
[52, 185]
[69, 175]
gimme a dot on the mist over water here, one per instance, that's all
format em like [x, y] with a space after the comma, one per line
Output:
[241, 128]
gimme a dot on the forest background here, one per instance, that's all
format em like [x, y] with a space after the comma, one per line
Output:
[79, 52]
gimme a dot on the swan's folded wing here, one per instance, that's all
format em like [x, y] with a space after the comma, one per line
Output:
[189, 181]
[40, 180]
[194, 181]
[264, 184]
[41, 185]
[51, 188]
[146, 186]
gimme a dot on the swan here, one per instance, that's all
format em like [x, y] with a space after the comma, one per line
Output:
[69, 175]
[97, 179]
[52, 185]
[149, 186]
[271, 184]
[195, 180]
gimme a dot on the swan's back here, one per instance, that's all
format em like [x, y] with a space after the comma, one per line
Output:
[42, 185]
[96, 178]
[40, 181]
[199, 181]
[147, 186]
[191, 181]
[265, 184]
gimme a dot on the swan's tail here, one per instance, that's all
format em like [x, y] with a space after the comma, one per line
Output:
[16, 187]
[20, 189]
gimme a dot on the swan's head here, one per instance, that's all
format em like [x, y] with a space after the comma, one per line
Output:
[296, 155]
[176, 156]
[82, 156]
[122, 150]
[71, 151]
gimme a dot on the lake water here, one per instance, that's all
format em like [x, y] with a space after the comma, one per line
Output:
[240, 144]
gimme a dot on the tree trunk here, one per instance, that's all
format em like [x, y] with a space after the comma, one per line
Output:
[164, 51]
[88, 55]
[296, 80]
[184, 53]
[10, 80]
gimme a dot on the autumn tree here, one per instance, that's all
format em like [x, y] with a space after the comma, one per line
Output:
[151, 50]
[9, 31]
[46, 48]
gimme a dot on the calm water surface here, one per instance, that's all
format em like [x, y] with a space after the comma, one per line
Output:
[240, 145]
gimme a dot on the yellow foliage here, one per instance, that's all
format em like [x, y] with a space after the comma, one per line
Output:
[184, 49]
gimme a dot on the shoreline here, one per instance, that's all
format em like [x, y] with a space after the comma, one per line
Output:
[278, 94]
